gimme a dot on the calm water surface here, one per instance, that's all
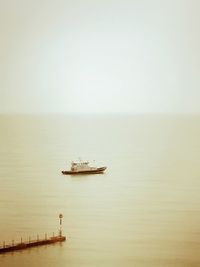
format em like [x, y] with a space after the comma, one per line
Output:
[144, 211]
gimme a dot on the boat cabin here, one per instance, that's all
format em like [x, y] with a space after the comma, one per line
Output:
[79, 165]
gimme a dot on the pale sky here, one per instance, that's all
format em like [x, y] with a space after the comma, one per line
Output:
[138, 56]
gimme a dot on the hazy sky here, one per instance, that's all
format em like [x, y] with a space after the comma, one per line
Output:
[100, 56]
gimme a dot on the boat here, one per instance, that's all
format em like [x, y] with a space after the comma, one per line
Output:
[83, 167]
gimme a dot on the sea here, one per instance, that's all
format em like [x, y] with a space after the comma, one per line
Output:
[144, 211]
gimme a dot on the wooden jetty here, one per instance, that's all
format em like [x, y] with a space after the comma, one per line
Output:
[31, 243]
[34, 243]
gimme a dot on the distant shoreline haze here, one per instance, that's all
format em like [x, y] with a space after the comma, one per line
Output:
[100, 56]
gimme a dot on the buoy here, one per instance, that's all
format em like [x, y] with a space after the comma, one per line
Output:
[60, 230]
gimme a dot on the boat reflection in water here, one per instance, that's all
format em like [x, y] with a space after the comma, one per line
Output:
[83, 167]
